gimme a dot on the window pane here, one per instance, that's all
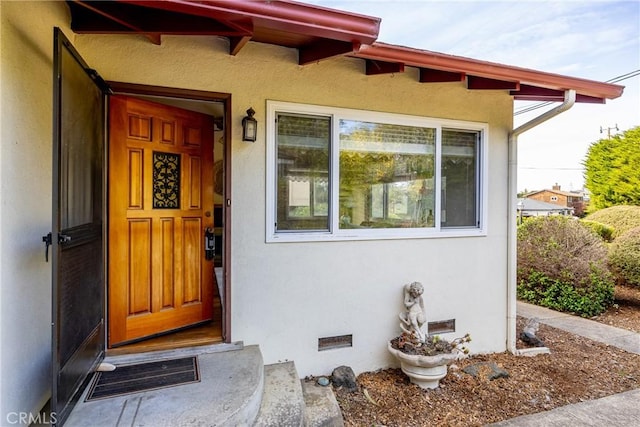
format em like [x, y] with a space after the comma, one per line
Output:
[303, 172]
[459, 178]
[386, 175]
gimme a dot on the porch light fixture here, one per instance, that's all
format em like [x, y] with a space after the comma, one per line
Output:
[249, 126]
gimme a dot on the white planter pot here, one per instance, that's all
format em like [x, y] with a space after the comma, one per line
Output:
[424, 371]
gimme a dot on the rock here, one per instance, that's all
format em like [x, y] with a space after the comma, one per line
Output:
[528, 334]
[494, 373]
[343, 376]
[530, 339]
[497, 372]
[323, 381]
[472, 370]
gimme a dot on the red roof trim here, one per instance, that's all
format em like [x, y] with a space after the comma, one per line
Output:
[345, 33]
[491, 70]
[280, 15]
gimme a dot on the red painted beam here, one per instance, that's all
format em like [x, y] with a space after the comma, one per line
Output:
[297, 18]
[482, 83]
[237, 43]
[324, 49]
[113, 18]
[379, 67]
[535, 93]
[429, 75]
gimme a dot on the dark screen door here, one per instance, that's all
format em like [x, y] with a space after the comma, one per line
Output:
[78, 338]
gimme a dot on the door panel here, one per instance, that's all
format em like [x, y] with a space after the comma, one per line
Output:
[161, 203]
[78, 338]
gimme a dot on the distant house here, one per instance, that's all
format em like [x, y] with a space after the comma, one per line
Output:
[569, 199]
[530, 207]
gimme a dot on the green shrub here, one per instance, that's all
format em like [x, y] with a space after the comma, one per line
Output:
[562, 264]
[624, 258]
[585, 301]
[603, 230]
[621, 218]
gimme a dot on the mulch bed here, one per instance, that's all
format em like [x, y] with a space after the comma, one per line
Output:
[577, 369]
[625, 313]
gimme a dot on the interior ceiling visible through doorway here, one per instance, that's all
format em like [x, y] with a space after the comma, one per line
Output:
[212, 108]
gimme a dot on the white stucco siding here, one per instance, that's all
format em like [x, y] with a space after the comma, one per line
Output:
[287, 295]
[25, 202]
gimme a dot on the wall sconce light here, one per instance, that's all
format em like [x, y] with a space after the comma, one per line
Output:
[249, 126]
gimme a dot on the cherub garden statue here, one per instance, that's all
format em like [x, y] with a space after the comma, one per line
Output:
[414, 318]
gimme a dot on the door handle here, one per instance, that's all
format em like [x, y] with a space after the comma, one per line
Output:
[209, 244]
[48, 241]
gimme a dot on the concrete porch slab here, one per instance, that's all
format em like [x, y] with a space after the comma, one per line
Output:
[229, 393]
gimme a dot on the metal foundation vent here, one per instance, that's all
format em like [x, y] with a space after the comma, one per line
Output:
[330, 343]
[442, 326]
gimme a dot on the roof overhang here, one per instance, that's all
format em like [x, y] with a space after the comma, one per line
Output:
[523, 83]
[317, 32]
[320, 33]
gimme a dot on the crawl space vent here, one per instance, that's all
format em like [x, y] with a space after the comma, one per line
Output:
[330, 343]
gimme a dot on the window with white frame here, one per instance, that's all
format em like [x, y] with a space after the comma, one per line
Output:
[350, 174]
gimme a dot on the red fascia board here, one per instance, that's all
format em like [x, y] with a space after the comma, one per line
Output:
[428, 59]
[280, 15]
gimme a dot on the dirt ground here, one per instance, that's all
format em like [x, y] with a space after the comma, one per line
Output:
[577, 369]
[625, 313]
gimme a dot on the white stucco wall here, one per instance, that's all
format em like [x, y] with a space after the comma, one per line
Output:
[284, 295]
[287, 295]
[26, 40]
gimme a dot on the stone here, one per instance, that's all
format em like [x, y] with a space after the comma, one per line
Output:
[495, 371]
[323, 381]
[528, 334]
[343, 376]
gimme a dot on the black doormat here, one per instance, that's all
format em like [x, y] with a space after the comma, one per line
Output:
[143, 377]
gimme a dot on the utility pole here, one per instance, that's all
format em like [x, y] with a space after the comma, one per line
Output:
[609, 130]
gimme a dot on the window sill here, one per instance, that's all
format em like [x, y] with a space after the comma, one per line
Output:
[360, 235]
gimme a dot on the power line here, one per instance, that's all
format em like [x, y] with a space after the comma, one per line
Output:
[624, 76]
[616, 79]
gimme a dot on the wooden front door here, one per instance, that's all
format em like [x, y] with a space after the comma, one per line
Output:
[160, 207]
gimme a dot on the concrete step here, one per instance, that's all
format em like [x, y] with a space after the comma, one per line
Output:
[322, 409]
[282, 401]
[229, 394]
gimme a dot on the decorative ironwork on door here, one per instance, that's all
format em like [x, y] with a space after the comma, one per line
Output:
[166, 180]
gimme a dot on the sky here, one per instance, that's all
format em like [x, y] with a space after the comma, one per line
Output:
[596, 40]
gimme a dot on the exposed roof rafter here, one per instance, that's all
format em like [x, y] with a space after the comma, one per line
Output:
[324, 49]
[533, 93]
[237, 43]
[373, 67]
[483, 83]
[429, 75]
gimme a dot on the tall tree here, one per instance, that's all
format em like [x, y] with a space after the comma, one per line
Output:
[612, 170]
